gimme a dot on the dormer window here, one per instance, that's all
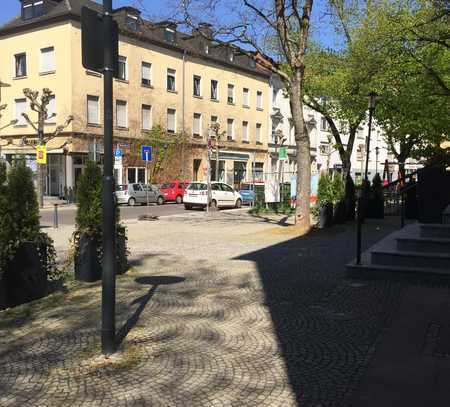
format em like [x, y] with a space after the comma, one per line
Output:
[206, 49]
[132, 22]
[32, 9]
[231, 56]
[169, 35]
[252, 63]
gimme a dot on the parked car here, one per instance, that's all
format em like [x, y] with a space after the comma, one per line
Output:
[133, 194]
[250, 192]
[222, 195]
[174, 191]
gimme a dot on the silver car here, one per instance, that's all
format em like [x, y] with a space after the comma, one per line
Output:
[133, 194]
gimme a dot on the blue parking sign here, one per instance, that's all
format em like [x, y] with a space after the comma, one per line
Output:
[146, 153]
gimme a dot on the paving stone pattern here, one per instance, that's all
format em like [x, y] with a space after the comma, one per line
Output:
[232, 314]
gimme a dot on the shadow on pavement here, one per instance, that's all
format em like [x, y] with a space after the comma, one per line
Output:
[326, 326]
[154, 281]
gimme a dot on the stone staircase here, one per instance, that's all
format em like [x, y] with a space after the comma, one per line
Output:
[421, 250]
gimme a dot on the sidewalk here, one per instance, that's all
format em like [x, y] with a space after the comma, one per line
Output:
[226, 311]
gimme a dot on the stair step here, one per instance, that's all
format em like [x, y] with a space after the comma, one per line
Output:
[423, 244]
[410, 274]
[435, 230]
[411, 259]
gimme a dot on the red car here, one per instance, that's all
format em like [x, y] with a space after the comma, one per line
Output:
[173, 191]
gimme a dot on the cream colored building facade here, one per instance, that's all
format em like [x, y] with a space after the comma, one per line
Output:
[182, 82]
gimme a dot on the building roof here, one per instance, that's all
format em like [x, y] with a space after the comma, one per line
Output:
[153, 32]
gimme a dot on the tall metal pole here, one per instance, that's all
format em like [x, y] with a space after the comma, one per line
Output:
[109, 233]
[371, 109]
[148, 183]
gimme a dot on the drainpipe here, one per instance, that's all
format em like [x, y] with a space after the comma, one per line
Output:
[183, 101]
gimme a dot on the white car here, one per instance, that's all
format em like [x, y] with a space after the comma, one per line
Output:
[222, 196]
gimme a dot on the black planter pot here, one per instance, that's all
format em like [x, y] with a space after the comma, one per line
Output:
[25, 279]
[326, 216]
[339, 214]
[87, 264]
[121, 248]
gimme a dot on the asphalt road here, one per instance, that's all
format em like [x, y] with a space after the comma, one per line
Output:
[66, 215]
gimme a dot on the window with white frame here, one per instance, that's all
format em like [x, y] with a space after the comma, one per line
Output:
[121, 114]
[258, 134]
[246, 97]
[93, 113]
[132, 22]
[259, 100]
[323, 124]
[244, 131]
[169, 35]
[47, 59]
[171, 76]
[197, 85]
[230, 98]
[20, 65]
[197, 124]
[230, 129]
[171, 120]
[146, 73]
[214, 90]
[136, 175]
[20, 107]
[122, 74]
[51, 109]
[146, 113]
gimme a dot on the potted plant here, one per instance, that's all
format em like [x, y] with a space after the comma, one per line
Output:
[88, 235]
[338, 195]
[27, 256]
[324, 201]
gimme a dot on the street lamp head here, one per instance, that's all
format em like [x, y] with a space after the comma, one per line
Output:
[372, 99]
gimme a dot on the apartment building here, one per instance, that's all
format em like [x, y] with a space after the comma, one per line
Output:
[182, 82]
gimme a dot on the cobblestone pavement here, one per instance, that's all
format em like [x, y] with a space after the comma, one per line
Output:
[219, 311]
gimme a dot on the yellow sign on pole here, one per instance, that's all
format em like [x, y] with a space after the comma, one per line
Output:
[41, 155]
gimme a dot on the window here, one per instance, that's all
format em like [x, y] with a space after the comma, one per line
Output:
[274, 97]
[214, 93]
[121, 113]
[171, 75]
[21, 107]
[146, 117]
[259, 101]
[231, 56]
[252, 63]
[245, 97]
[196, 126]
[47, 59]
[230, 93]
[171, 122]
[169, 35]
[93, 116]
[197, 85]
[244, 131]
[132, 22]
[51, 109]
[146, 72]
[213, 119]
[32, 9]
[20, 65]
[230, 129]
[206, 49]
[122, 74]
[258, 133]
[323, 124]
[136, 175]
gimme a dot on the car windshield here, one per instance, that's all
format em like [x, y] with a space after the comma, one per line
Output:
[197, 187]
[167, 185]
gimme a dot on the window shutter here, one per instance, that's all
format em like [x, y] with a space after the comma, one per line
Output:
[92, 110]
[146, 117]
[121, 112]
[245, 131]
[47, 59]
[246, 101]
[196, 124]
[21, 107]
[171, 120]
[146, 73]
[258, 132]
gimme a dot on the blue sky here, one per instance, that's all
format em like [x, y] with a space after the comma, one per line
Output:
[322, 30]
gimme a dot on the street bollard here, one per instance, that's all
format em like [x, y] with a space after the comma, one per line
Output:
[55, 217]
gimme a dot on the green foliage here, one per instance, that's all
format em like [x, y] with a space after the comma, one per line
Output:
[19, 217]
[337, 188]
[89, 200]
[324, 189]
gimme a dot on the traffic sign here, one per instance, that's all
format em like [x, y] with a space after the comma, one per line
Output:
[117, 152]
[282, 153]
[146, 153]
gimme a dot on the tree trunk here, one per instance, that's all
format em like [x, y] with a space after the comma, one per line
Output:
[302, 209]
[41, 167]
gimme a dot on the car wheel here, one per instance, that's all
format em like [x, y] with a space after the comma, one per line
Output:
[238, 203]
[131, 202]
[213, 204]
[179, 199]
[187, 207]
[160, 200]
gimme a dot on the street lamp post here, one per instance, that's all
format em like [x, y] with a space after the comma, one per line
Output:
[377, 152]
[372, 101]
